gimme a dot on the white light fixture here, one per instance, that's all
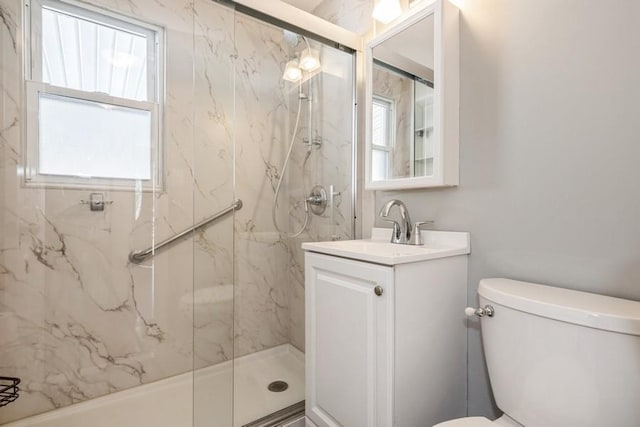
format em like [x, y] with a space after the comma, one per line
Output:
[310, 60]
[292, 72]
[387, 10]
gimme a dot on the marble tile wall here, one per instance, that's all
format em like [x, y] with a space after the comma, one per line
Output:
[269, 263]
[354, 15]
[262, 115]
[214, 116]
[76, 319]
[329, 165]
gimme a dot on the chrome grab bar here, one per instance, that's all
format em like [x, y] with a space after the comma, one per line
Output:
[140, 256]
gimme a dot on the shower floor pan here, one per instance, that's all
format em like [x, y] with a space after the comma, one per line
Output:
[170, 402]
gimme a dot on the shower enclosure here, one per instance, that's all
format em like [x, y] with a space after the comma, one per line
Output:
[137, 121]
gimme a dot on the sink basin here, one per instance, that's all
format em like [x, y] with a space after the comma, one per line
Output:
[378, 249]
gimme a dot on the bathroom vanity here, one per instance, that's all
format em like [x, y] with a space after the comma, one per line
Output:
[385, 331]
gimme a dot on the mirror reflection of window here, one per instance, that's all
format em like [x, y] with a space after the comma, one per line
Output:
[411, 125]
[402, 71]
[383, 135]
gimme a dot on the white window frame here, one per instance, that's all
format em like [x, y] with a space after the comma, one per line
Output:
[34, 86]
[391, 131]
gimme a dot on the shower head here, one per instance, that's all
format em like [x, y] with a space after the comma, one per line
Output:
[291, 38]
[307, 59]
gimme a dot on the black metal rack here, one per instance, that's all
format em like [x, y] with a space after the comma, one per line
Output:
[8, 390]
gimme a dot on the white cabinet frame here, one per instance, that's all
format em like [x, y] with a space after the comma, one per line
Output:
[446, 98]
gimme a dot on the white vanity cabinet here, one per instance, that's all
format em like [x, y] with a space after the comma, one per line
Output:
[385, 344]
[348, 343]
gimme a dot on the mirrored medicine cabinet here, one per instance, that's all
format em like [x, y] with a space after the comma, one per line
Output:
[412, 97]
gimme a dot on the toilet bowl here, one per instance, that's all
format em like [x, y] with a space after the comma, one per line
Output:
[558, 357]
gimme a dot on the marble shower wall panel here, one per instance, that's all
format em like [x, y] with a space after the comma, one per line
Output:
[296, 293]
[329, 164]
[262, 312]
[335, 124]
[262, 138]
[213, 181]
[76, 320]
[354, 15]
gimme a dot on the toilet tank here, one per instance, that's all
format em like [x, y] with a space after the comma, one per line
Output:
[562, 358]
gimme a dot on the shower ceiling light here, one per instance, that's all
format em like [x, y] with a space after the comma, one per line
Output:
[292, 72]
[387, 10]
[310, 60]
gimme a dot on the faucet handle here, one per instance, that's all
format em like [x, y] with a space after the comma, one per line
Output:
[395, 235]
[416, 236]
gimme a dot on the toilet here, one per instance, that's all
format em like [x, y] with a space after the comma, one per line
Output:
[558, 357]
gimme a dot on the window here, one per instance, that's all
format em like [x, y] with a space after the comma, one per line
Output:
[383, 135]
[94, 98]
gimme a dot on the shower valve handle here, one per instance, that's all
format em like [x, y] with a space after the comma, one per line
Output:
[315, 200]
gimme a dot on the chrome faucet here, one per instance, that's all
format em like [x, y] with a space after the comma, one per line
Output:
[403, 233]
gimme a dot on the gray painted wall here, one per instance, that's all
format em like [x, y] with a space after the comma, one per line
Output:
[550, 151]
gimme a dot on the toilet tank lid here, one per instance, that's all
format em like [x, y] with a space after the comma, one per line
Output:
[580, 308]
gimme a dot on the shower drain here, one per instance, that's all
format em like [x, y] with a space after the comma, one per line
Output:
[278, 386]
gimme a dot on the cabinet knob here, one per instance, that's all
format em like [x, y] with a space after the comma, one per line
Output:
[378, 290]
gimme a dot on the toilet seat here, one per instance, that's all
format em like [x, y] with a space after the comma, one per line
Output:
[468, 422]
[503, 421]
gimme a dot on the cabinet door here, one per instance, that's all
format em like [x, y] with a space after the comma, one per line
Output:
[349, 342]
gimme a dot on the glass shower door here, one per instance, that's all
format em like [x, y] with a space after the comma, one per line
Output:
[275, 130]
[96, 162]
[213, 191]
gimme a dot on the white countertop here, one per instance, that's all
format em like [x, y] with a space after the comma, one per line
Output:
[379, 250]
